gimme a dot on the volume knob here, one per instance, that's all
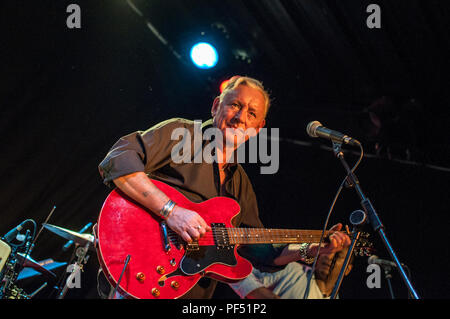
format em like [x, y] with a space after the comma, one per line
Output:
[156, 292]
[140, 276]
[160, 270]
[175, 285]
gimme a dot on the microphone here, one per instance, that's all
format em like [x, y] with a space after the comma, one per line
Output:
[315, 129]
[382, 262]
[70, 242]
[13, 232]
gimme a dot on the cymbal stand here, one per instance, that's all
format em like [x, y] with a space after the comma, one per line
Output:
[81, 253]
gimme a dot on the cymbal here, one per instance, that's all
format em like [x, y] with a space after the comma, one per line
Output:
[48, 264]
[27, 261]
[81, 239]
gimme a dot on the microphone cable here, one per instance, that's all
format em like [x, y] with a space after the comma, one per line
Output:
[313, 268]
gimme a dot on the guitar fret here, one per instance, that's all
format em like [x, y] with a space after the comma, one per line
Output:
[261, 235]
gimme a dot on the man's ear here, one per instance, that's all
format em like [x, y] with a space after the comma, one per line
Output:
[263, 123]
[215, 106]
[252, 132]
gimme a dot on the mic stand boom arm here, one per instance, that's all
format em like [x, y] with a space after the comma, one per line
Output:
[373, 217]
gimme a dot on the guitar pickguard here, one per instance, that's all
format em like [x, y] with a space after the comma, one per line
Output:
[197, 260]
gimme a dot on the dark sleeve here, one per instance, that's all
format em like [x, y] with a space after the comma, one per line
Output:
[246, 196]
[261, 256]
[140, 151]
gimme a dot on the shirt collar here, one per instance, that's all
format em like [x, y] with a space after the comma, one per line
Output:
[207, 124]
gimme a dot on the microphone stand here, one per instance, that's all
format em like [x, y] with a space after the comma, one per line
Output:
[358, 219]
[388, 276]
[372, 215]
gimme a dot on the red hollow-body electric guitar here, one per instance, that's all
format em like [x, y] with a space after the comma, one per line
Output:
[161, 264]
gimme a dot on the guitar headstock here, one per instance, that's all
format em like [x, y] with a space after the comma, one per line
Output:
[364, 247]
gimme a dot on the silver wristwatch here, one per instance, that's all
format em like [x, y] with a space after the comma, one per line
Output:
[304, 254]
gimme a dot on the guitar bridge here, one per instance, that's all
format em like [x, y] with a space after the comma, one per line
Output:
[193, 246]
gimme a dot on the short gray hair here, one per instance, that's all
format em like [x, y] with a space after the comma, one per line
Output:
[237, 80]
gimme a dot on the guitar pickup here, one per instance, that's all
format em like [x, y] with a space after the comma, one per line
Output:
[220, 235]
[165, 236]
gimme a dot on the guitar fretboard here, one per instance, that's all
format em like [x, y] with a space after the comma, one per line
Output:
[273, 236]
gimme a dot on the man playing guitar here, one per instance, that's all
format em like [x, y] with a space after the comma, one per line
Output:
[241, 108]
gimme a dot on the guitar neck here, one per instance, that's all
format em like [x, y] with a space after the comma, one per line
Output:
[273, 236]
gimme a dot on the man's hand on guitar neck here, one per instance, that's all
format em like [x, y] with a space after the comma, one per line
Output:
[337, 241]
[186, 223]
[329, 263]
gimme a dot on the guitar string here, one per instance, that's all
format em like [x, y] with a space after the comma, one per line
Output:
[251, 235]
[265, 232]
[244, 235]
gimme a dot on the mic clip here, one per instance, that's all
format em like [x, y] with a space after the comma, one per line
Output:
[337, 146]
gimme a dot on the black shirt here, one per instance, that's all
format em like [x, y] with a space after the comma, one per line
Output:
[150, 151]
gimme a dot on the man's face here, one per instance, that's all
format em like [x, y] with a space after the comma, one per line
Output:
[241, 113]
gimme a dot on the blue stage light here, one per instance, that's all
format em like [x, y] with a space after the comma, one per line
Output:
[204, 55]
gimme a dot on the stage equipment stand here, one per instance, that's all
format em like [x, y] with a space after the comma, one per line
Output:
[114, 292]
[357, 219]
[388, 276]
[81, 253]
[352, 181]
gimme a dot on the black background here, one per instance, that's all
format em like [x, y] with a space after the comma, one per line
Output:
[68, 94]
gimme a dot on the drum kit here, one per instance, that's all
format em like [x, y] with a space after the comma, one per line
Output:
[17, 265]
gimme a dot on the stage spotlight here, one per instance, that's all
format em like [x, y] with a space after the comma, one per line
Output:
[204, 55]
[223, 85]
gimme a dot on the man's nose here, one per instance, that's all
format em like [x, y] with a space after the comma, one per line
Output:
[241, 116]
